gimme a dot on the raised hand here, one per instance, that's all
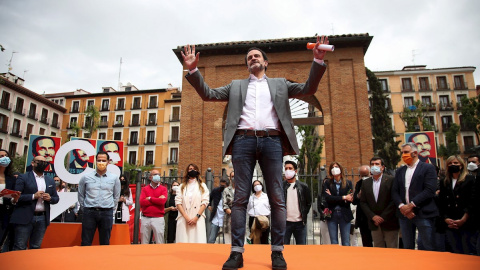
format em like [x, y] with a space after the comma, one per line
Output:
[317, 53]
[189, 57]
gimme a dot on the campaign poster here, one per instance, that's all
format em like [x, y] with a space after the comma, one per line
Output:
[46, 146]
[78, 158]
[114, 150]
[426, 144]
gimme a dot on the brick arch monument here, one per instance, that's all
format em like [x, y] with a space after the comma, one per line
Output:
[342, 94]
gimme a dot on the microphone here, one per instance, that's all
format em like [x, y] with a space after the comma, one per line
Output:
[323, 47]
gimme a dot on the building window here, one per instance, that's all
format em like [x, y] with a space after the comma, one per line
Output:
[102, 136]
[75, 107]
[55, 120]
[174, 134]
[426, 100]
[103, 121]
[446, 122]
[173, 156]
[408, 101]
[5, 103]
[150, 137]
[136, 103]
[53, 133]
[468, 143]
[384, 85]
[152, 119]
[407, 84]
[12, 149]
[44, 117]
[132, 157]
[442, 83]
[134, 137]
[135, 120]
[175, 114]
[459, 82]
[29, 130]
[117, 136]
[153, 102]
[16, 127]
[32, 112]
[105, 105]
[121, 104]
[424, 85]
[149, 158]
[19, 106]
[3, 123]
[42, 131]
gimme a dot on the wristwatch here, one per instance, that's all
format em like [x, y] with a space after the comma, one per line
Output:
[198, 216]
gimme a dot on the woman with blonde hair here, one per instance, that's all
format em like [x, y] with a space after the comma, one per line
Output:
[338, 192]
[191, 200]
[455, 203]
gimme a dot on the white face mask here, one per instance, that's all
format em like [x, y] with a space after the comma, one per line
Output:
[472, 166]
[336, 171]
[257, 188]
[175, 188]
[289, 174]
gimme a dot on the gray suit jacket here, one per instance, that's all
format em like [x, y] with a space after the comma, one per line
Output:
[280, 89]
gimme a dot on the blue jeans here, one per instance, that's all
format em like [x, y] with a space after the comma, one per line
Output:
[93, 219]
[212, 237]
[245, 151]
[32, 233]
[337, 220]
[299, 231]
[425, 227]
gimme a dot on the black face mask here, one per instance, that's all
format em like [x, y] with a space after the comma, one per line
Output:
[40, 167]
[57, 184]
[454, 168]
[193, 174]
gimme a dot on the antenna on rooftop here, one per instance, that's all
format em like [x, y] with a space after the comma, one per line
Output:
[413, 56]
[10, 62]
[25, 71]
[119, 73]
[333, 32]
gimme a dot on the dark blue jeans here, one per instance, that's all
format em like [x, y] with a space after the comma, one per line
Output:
[245, 152]
[93, 219]
[299, 231]
[337, 220]
[425, 228]
[33, 232]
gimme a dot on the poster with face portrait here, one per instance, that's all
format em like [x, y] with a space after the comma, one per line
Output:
[426, 144]
[114, 150]
[78, 158]
[45, 146]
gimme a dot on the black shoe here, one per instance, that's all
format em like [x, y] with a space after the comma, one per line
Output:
[234, 262]
[278, 262]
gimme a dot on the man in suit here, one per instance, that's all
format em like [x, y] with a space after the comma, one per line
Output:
[31, 215]
[361, 221]
[413, 194]
[377, 205]
[258, 127]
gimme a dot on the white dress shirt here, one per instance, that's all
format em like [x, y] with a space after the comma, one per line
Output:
[408, 179]
[40, 207]
[376, 186]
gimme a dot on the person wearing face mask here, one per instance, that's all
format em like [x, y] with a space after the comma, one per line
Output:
[171, 213]
[473, 164]
[338, 193]
[376, 202]
[217, 213]
[126, 199]
[98, 195]
[152, 204]
[31, 215]
[413, 195]
[456, 205]
[191, 201]
[298, 199]
[361, 221]
[7, 181]
[258, 209]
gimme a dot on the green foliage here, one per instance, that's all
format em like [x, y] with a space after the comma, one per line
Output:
[92, 116]
[414, 115]
[471, 114]
[451, 141]
[19, 163]
[130, 170]
[75, 129]
[385, 145]
[310, 155]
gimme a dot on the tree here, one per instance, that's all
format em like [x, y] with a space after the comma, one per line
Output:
[451, 142]
[415, 115]
[309, 157]
[130, 170]
[19, 163]
[384, 144]
[92, 119]
[470, 110]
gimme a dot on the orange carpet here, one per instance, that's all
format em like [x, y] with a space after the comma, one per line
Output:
[212, 256]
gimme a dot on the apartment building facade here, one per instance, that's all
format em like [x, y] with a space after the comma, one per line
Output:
[441, 90]
[24, 112]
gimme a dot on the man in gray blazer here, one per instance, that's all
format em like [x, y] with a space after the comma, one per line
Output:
[259, 127]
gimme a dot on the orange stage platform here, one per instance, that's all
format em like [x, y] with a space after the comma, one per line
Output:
[212, 256]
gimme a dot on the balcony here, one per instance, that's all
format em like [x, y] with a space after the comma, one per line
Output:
[105, 109]
[118, 123]
[33, 116]
[4, 130]
[446, 126]
[425, 88]
[152, 122]
[150, 142]
[6, 106]
[133, 142]
[44, 120]
[103, 124]
[172, 161]
[74, 110]
[27, 135]
[136, 106]
[71, 124]
[173, 139]
[446, 106]
[120, 107]
[431, 107]
[153, 105]
[464, 127]
[55, 124]
[174, 118]
[408, 88]
[16, 132]
[469, 149]
[443, 87]
[461, 86]
[19, 110]
[134, 124]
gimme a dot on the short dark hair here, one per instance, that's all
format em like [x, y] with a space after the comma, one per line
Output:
[377, 158]
[264, 55]
[474, 156]
[102, 153]
[253, 190]
[293, 163]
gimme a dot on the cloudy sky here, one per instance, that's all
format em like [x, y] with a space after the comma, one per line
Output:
[67, 45]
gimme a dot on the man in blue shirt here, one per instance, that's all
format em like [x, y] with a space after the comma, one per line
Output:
[98, 194]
